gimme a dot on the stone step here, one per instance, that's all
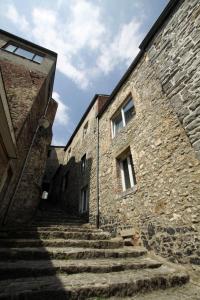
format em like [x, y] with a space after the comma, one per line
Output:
[55, 234]
[31, 253]
[107, 244]
[26, 268]
[47, 223]
[57, 219]
[53, 228]
[85, 285]
[189, 291]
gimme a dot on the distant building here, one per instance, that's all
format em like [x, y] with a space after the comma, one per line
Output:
[134, 163]
[27, 112]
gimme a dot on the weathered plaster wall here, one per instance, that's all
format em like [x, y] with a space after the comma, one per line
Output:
[164, 205]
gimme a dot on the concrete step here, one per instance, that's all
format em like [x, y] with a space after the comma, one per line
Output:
[85, 285]
[30, 253]
[54, 234]
[26, 268]
[107, 244]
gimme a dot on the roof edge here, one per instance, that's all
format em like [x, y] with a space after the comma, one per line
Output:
[22, 40]
[83, 118]
[143, 45]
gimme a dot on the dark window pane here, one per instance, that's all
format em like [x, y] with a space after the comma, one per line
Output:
[118, 123]
[126, 174]
[10, 48]
[129, 111]
[24, 53]
[38, 58]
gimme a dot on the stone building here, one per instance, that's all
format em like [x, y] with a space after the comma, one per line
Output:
[55, 157]
[27, 112]
[134, 162]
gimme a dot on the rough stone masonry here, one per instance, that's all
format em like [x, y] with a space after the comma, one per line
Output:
[162, 139]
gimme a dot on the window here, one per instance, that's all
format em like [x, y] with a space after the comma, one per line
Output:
[85, 129]
[127, 172]
[83, 164]
[84, 200]
[122, 118]
[24, 53]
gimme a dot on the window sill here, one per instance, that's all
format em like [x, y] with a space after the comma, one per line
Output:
[126, 193]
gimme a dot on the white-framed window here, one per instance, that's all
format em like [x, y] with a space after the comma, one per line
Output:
[127, 172]
[123, 116]
[24, 53]
[84, 200]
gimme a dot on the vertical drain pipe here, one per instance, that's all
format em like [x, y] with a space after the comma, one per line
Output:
[97, 174]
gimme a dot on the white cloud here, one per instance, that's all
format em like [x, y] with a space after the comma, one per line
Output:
[86, 27]
[13, 15]
[62, 114]
[123, 48]
[81, 30]
[58, 141]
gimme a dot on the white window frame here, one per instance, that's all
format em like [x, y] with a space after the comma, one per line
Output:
[123, 117]
[130, 172]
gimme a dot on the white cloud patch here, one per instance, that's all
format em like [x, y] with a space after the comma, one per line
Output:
[13, 15]
[62, 114]
[122, 49]
[58, 141]
[82, 29]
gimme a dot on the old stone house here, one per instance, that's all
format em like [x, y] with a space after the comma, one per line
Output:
[27, 112]
[133, 160]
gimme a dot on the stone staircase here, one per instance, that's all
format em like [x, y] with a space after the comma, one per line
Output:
[59, 256]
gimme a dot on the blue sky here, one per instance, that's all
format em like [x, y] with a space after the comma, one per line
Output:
[96, 40]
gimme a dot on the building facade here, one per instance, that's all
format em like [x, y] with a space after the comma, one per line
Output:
[27, 112]
[134, 163]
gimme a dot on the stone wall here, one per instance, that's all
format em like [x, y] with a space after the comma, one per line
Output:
[82, 143]
[29, 192]
[27, 87]
[54, 160]
[164, 205]
[174, 54]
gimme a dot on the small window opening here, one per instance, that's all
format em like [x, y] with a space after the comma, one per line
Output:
[122, 117]
[128, 178]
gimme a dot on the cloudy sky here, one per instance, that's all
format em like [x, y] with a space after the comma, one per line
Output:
[96, 40]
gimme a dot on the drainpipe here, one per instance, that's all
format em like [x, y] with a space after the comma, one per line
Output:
[25, 162]
[97, 174]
